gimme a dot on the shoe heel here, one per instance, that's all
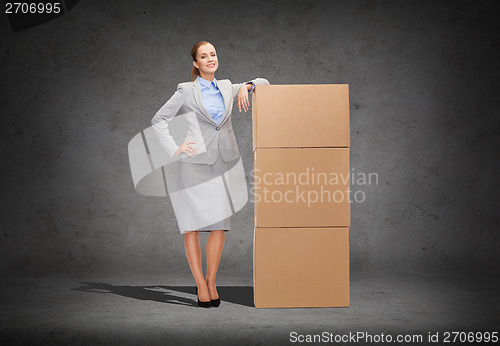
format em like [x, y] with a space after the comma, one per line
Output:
[215, 302]
[203, 304]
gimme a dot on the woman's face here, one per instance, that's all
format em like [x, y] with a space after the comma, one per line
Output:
[206, 59]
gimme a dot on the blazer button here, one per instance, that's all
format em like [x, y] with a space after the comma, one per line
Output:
[217, 128]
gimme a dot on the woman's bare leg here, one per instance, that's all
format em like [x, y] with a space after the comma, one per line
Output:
[193, 254]
[215, 244]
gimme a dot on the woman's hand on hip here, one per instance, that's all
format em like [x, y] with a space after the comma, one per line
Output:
[186, 148]
[243, 97]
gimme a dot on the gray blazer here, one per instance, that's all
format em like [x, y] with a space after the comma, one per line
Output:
[211, 138]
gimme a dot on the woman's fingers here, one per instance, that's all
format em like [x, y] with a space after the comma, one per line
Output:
[243, 102]
[187, 149]
[191, 149]
[243, 99]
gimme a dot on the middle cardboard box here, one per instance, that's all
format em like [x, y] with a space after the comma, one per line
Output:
[301, 187]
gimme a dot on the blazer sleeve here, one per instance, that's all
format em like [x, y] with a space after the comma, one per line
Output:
[256, 81]
[163, 116]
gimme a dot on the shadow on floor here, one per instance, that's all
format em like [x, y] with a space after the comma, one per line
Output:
[241, 295]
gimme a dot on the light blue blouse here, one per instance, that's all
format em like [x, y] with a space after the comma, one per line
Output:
[212, 98]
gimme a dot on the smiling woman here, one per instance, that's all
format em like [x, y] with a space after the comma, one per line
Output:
[204, 60]
[201, 200]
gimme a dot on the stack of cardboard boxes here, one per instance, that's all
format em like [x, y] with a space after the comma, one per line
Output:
[301, 192]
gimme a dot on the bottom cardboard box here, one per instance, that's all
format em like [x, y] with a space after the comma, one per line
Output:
[301, 267]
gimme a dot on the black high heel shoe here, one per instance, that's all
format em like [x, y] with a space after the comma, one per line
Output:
[215, 303]
[203, 304]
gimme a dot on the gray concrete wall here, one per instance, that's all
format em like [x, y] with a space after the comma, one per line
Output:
[423, 82]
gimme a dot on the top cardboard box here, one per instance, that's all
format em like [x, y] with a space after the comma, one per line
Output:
[305, 115]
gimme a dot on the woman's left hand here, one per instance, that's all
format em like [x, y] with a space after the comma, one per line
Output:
[243, 97]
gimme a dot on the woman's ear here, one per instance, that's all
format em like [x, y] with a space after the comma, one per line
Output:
[195, 64]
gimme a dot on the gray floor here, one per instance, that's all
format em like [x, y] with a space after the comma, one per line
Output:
[154, 309]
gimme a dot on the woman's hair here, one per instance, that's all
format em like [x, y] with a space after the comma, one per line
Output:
[194, 51]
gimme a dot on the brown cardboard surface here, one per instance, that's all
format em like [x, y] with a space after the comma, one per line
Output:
[301, 267]
[286, 191]
[307, 115]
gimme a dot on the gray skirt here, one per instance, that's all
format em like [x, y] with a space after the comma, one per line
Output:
[200, 196]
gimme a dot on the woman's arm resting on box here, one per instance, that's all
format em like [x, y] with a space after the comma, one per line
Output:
[242, 93]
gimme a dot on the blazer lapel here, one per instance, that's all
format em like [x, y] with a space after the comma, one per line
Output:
[199, 102]
[226, 91]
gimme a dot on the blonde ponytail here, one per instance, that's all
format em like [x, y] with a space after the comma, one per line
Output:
[194, 73]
